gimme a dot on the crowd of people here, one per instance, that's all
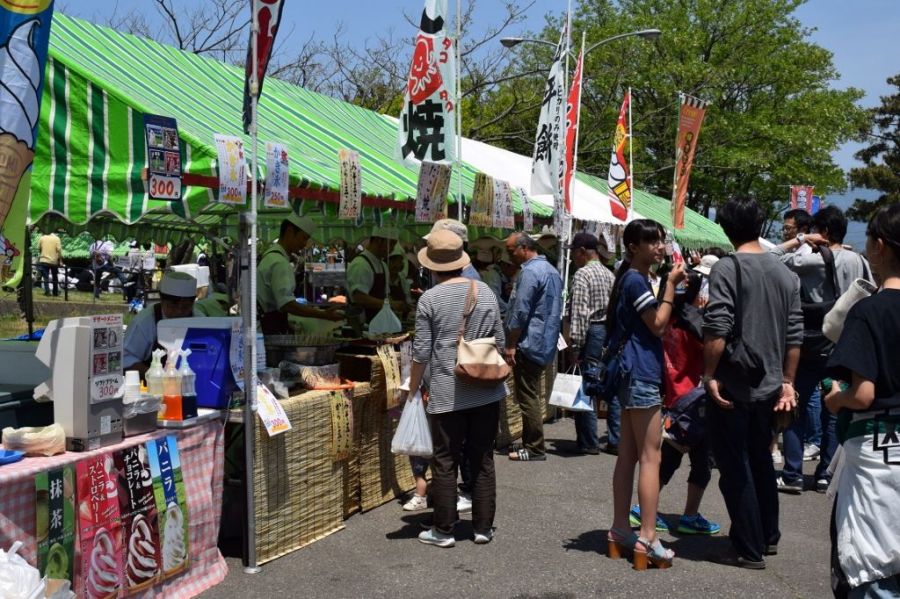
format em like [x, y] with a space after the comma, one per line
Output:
[731, 349]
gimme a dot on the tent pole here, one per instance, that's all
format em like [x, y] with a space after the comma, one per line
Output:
[249, 310]
[28, 282]
[459, 198]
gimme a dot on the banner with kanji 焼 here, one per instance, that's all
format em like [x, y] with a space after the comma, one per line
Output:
[548, 160]
[619, 178]
[427, 127]
[689, 123]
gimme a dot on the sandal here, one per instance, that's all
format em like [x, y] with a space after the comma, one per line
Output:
[653, 553]
[619, 541]
[523, 455]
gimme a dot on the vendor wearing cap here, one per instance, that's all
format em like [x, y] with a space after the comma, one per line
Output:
[400, 285]
[177, 291]
[454, 226]
[275, 281]
[367, 274]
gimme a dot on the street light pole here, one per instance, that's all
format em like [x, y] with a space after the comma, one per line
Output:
[647, 34]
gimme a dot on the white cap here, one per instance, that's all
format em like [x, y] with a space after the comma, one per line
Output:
[178, 284]
[706, 264]
[485, 256]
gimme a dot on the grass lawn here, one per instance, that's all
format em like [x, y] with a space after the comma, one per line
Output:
[13, 324]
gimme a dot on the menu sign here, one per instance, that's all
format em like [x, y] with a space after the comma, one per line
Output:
[232, 167]
[106, 358]
[55, 522]
[431, 192]
[140, 522]
[277, 169]
[271, 412]
[171, 504]
[100, 528]
[351, 185]
[163, 158]
[503, 210]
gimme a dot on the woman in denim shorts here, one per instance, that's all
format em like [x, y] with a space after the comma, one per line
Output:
[636, 327]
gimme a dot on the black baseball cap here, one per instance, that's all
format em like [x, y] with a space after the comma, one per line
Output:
[584, 241]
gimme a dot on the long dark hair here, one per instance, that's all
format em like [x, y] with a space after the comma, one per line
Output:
[885, 225]
[637, 231]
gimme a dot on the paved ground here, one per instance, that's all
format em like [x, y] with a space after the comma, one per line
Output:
[552, 519]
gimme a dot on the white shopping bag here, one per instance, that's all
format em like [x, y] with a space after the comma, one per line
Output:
[413, 437]
[567, 394]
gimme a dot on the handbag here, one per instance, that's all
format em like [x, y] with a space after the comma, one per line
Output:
[833, 324]
[601, 377]
[478, 361]
[568, 394]
[740, 358]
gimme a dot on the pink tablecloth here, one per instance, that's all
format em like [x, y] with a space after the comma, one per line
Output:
[202, 465]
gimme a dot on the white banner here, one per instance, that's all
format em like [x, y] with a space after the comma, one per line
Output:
[548, 160]
[527, 216]
[503, 210]
[351, 185]
[232, 167]
[481, 209]
[427, 128]
[431, 193]
[277, 169]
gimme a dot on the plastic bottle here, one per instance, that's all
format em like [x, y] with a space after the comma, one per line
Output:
[172, 389]
[188, 387]
[154, 375]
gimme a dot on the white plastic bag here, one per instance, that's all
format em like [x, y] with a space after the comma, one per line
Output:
[413, 437]
[567, 394]
[36, 441]
[385, 321]
[18, 580]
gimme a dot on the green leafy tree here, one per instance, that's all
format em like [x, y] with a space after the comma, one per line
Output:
[883, 176]
[774, 117]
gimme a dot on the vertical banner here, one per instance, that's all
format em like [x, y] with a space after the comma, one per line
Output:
[431, 192]
[427, 127]
[24, 34]
[268, 15]
[527, 216]
[548, 160]
[168, 489]
[690, 120]
[163, 158]
[55, 522]
[140, 522]
[815, 205]
[618, 180]
[277, 172]
[482, 207]
[802, 197]
[573, 112]
[503, 211]
[351, 185]
[100, 528]
[232, 167]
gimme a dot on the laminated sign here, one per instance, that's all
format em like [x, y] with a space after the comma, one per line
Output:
[171, 504]
[503, 211]
[341, 424]
[232, 167]
[390, 362]
[142, 559]
[106, 362]
[527, 216]
[270, 412]
[277, 170]
[55, 522]
[481, 211]
[431, 193]
[163, 158]
[100, 528]
[351, 185]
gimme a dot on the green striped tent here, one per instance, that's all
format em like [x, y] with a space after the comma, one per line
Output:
[90, 154]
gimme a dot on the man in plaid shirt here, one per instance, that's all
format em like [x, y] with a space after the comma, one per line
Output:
[591, 287]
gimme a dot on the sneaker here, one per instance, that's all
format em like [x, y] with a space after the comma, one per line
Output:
[483, 538]
[822, 485]
[777, 458]
[697, 525]
[416, 503]
[438, 539]
[464, 503]
[792, 487]
[810, 453]
[634, 518]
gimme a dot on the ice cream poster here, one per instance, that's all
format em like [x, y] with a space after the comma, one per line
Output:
[171, 503]
[140, 522]
[232, 169]
[100, 528]
[24, 35]
[163, 158]
[55, 524]
[277, 171]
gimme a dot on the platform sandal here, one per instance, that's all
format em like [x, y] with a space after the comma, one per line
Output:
[646, 553]
[619, 542]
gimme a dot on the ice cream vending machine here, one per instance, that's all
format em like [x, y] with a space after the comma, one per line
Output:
[84, 355]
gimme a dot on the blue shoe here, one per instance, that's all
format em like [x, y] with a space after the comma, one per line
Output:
[697, 525]
[634, 518]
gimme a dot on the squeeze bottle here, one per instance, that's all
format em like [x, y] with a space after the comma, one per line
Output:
[172, 389]
[188, 387]
[154, 375]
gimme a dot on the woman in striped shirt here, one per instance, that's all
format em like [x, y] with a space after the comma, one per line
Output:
[460, 412]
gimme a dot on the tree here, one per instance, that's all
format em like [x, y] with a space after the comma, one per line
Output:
[882, 176]
[773, 117]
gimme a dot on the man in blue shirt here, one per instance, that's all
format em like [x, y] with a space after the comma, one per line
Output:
[533, 322]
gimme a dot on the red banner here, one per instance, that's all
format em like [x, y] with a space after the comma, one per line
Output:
[802, 197]
[619, 178]
[689, 123]
[267, 14]
[573, 112]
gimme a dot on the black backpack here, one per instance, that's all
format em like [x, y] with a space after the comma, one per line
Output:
[685, 421]
[816, 346]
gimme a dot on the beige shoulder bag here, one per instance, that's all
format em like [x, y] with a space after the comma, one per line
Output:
[478, 361]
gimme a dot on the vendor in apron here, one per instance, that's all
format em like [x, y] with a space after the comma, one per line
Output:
[177, 292]
[275, 281]
[367, 282]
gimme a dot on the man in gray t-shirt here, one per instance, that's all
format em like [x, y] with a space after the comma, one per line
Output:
[739, 414]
